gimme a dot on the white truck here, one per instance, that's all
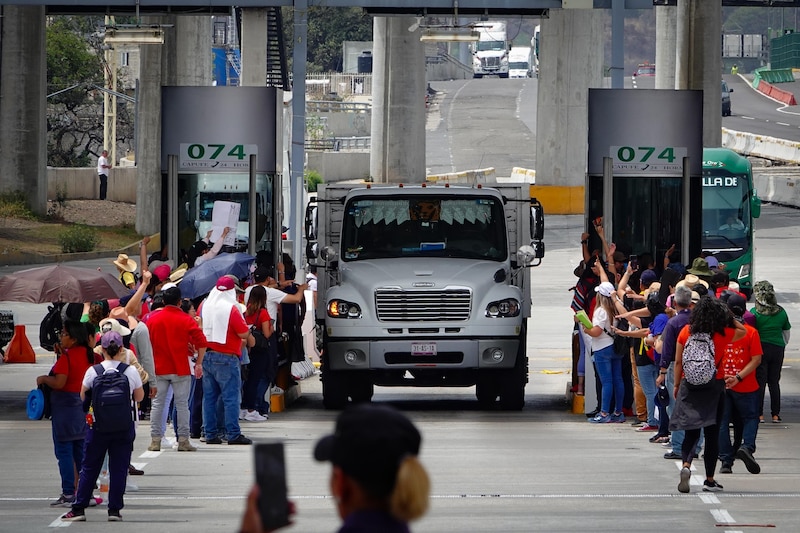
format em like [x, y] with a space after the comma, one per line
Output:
[519, 62]
[490, 53]
[424, 285]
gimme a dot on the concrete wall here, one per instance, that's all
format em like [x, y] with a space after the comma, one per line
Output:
[339, 166]
[83, 184]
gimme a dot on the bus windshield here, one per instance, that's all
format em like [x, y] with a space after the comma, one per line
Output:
[413, 226]
[726, 214]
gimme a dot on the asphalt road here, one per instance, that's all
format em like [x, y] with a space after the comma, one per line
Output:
[541, 469]
[753, 112]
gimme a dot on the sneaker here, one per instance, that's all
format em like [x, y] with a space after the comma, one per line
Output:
[593, 414]
[726, 469]
[637, 423]
[254, 416]
[94, 501]
[655, 438]
[74, 516]
[213, 440]
[647, 427]
[114, 516]
[276, 390]
[672, 455]
[617, 418]
[746, 456]
[242, 413]
[711, 486]
[686, 475]
[202, 438]
[240, 439]
[63, 501]
[600, 419]
[133, 471]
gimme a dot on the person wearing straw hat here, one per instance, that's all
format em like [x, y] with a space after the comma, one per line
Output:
[126, 268]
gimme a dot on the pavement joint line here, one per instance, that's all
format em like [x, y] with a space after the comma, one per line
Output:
[722, 516]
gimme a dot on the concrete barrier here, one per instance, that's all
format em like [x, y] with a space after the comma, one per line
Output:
[772, 148]
[775, 93]
[482, 175]
[83, 184]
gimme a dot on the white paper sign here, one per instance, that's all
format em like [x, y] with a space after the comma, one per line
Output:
[225, 215]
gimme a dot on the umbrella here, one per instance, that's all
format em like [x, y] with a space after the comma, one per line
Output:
[59, 283]
[202, 278]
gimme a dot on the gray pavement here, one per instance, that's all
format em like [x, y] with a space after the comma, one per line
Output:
[541, 469]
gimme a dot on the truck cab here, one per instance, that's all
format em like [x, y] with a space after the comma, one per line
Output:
[424, 286]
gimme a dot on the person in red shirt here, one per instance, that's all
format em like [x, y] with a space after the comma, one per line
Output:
[699, 409]
[742, 397]
[68, 417]
[225, 328]
[171, 333]
[259, 370]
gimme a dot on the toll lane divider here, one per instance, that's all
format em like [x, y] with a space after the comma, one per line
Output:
[777, 94]
[483, 175]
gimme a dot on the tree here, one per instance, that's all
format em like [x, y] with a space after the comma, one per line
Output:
[328, 28]
[75, 62]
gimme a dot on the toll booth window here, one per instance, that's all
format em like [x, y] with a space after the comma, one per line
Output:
[452, 227]
[207, 204]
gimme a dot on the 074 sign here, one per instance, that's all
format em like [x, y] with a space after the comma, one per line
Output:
[648, 160]
[216, 156]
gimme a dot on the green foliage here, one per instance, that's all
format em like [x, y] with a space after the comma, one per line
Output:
[70, 61]
[313, 178]
[15, 205]
[78, 238]
[328, 27]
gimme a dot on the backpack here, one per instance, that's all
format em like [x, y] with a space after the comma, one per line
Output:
[50, 328]
[699, 366]
[111, 399]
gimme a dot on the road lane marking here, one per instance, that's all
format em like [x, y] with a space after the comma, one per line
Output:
[722, 516]
[782, 124]
[709, 498]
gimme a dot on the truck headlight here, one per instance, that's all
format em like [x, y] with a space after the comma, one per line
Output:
[503, 308]
[343, 309]
[744, 271]
[504, 61]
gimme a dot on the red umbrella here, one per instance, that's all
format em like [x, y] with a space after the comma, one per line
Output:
[59, 283]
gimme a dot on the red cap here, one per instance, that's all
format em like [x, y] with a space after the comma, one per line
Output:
[225, 283]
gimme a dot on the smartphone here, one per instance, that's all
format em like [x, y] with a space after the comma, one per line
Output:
[273, 504]
[633, 261]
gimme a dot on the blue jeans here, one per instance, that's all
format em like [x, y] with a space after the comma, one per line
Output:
[222, 378]
[69, 454]
[746, 404]
[647, 379]
[609, 370]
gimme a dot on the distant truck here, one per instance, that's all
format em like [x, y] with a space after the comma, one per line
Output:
[519, 62]
[424, 285]
[490, 53]
[535, 41]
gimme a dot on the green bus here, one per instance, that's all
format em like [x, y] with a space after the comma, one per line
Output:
[730, 205]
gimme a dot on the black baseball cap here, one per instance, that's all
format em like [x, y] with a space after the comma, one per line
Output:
[369, 443]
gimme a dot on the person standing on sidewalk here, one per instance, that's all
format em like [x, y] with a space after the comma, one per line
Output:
[171, 333]
[117, 442]
[103, 167]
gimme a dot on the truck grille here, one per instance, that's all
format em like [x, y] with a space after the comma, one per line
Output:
[491, 61]
[399, 305]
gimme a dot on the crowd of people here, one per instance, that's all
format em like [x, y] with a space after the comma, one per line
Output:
[205, 363]
[653, 328]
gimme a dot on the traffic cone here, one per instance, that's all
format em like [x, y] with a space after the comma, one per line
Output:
[19, 349]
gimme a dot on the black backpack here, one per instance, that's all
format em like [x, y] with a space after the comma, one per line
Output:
[111, 399]
[50, 328]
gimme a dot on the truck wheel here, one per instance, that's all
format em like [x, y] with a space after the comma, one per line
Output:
[504, 75]
[361, 389]
[477, 76]
[487, 389]
[512, 392]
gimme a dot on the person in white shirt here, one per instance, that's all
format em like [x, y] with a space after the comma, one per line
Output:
[102, 172]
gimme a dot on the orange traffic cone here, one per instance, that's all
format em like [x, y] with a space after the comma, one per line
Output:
[19, 349]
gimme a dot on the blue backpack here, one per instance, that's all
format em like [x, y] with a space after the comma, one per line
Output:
[111, 399]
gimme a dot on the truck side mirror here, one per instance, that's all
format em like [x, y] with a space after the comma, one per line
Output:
[311, 220]
[755, 205]
[537, 220]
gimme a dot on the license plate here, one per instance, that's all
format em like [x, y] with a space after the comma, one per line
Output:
[423, 348]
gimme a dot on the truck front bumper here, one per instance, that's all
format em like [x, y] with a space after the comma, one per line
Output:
[397, 354]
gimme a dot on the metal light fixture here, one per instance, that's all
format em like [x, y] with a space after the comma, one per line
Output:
[134, 35]
[449, 35]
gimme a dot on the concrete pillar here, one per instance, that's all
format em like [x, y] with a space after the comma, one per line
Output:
[398, 102]
[571, 61]
[185, 58]
[254, 47]
[23, 115]
[148, 136]
[699, 60]
[666, 19]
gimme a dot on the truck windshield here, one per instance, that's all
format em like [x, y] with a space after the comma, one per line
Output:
[518, 65]
[491, 45]
[726, 213]
[459, 227]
